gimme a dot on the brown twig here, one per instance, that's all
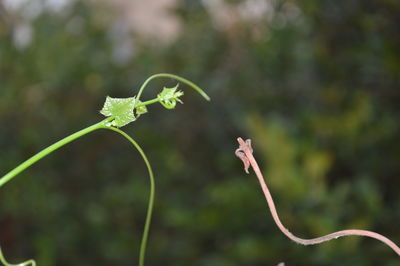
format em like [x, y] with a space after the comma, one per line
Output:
[245, 153]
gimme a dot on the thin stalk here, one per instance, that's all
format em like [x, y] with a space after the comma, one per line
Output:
[245, 153]
[155, 100]
[167, 75]
[102, 125]
[145, 235]
[10, 175]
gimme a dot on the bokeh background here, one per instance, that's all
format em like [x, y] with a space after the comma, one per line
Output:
[314, 84]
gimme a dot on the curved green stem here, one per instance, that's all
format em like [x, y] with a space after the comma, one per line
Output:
[10, 175]
[155, 100]
[26, 263]
[102, 125]
[167, 75]
[151, 197]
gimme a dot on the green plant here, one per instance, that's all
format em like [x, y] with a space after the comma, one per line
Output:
[119, 113]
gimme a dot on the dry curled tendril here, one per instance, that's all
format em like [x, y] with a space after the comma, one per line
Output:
[245, 153]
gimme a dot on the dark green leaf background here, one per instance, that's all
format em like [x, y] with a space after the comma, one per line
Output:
[318, 92]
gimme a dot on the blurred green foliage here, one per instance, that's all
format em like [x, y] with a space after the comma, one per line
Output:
[316, 86]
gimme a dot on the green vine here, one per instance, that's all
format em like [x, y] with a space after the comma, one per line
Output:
[119, 112]
[26, 263]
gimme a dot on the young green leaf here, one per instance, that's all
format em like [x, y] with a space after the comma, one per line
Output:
[169, 96]
[121, 109]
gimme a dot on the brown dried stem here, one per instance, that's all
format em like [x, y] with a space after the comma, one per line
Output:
[245, 153]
